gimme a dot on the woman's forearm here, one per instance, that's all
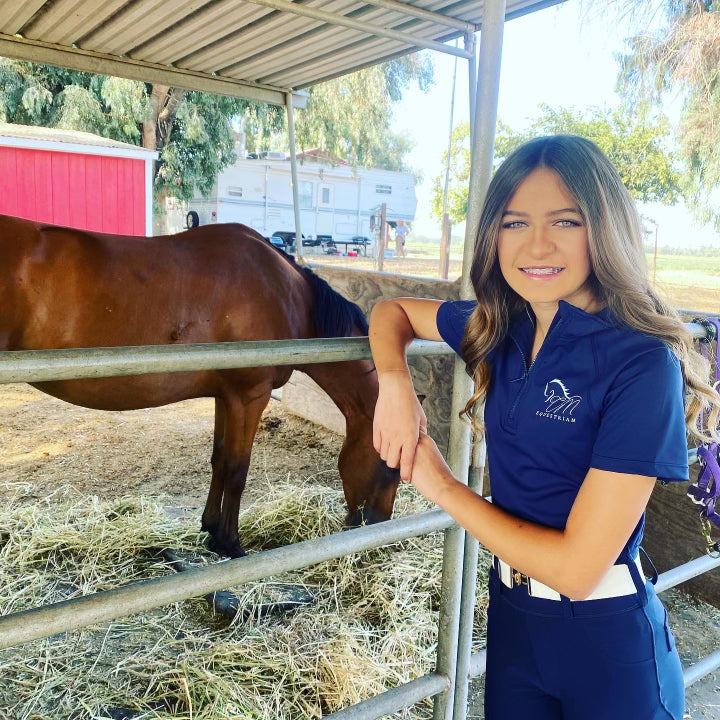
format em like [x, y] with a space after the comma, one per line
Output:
[534, 550]
[390, 333]
[571, 560]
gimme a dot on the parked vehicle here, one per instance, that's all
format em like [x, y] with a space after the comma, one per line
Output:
[335, 200]
[284, 239]
[360, 240]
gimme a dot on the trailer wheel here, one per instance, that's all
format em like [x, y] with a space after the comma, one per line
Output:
[192, 220]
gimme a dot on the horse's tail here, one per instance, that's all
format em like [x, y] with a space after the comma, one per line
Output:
[332, 314]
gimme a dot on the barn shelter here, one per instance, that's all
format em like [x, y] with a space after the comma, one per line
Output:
[269, 51]
[76, 179]
[264, 50]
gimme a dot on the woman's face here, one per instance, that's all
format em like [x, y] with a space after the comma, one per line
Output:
[543, 245]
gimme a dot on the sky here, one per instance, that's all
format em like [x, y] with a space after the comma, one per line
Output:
[563, 56]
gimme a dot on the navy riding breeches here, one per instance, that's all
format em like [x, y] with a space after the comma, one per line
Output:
[610, 659]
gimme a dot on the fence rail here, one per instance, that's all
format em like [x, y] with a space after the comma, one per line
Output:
[86, 363]
[35, 366]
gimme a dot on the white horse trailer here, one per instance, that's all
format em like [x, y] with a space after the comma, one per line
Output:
[335, 199]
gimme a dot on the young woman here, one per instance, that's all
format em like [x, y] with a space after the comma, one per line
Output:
[584, 371]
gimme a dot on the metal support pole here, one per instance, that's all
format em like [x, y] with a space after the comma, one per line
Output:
[294, 175]
[483, 137]
[472, 79]
[454, 547]
[380, 261]
[445, 241]
[483, 141]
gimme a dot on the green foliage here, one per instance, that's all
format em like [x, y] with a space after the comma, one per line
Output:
[350, 116]
[193, 131]
[200, 145]
[634, 144]
[457, 200]
[682, 57]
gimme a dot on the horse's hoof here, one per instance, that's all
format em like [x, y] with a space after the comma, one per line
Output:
[232, 550]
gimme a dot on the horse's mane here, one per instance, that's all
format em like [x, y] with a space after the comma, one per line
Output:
[561, 384]
[332, 314]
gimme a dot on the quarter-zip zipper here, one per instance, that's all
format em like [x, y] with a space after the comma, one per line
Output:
[523, 390]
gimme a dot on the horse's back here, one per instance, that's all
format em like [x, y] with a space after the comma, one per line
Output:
[71, 288]
[218, 283]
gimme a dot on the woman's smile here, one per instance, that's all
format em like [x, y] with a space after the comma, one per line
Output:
[543, 244]
[542, 272]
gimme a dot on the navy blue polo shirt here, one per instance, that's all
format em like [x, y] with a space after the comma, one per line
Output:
[599, 394]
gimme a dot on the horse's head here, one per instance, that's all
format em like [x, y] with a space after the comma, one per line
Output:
[378, 505]
[369, 484]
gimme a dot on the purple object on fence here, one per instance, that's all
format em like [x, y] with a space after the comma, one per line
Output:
[706, 490]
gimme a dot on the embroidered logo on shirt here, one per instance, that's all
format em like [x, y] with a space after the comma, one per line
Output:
[559, 403]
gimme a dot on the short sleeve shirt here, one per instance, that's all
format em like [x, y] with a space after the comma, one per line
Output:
[599, 394]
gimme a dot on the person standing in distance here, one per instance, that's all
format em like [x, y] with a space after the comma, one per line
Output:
[401, 232]
[589, 382]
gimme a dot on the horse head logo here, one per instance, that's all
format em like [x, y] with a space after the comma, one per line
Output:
[558, 398]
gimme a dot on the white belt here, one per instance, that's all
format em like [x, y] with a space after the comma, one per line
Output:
[617, 581]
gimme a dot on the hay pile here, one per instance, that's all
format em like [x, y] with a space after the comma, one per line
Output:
[372, 625]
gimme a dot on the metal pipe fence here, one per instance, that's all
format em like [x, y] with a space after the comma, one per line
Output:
[43, 365]
[34, 366]
[83, 363]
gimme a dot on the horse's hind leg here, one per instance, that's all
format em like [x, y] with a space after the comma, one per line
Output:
[211, 514]
[241, 420]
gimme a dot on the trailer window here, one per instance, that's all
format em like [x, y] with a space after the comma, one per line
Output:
[383, 189]
[305, 194]
[325, 198]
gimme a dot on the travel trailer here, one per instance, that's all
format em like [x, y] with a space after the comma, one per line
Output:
[337, 201]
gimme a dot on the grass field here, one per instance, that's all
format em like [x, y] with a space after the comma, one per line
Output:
[686, 281]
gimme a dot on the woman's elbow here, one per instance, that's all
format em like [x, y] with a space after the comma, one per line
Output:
[382, 308]
[579, 585]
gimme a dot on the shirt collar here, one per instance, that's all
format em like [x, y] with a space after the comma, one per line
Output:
[575, 322]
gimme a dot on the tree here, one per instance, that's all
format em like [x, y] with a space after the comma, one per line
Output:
[193, 131]
[681, 55]
[634, 144]
[457, 201]
[351, 115]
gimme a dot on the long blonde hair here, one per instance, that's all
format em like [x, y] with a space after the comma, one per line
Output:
[619, 277]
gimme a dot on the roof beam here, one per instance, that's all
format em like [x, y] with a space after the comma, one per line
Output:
[75, 58]
[343, 20]
[423, 14]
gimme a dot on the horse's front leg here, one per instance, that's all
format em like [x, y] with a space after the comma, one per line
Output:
[241, 422]
[213, 505]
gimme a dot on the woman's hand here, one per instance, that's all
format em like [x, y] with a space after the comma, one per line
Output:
[398, 423]
[430, 473]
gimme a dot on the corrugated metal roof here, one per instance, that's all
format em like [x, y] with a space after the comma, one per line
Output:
[259, 50]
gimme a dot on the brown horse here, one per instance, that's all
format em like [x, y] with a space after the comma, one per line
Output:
[65, 288]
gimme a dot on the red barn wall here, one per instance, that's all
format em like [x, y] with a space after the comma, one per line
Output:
[89, 192]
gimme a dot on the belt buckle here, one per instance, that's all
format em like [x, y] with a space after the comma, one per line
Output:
[520, 579]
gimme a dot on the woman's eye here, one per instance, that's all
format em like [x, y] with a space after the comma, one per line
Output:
[567, 223]
[513, 224]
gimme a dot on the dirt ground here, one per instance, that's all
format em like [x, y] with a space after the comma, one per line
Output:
[164, 453]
